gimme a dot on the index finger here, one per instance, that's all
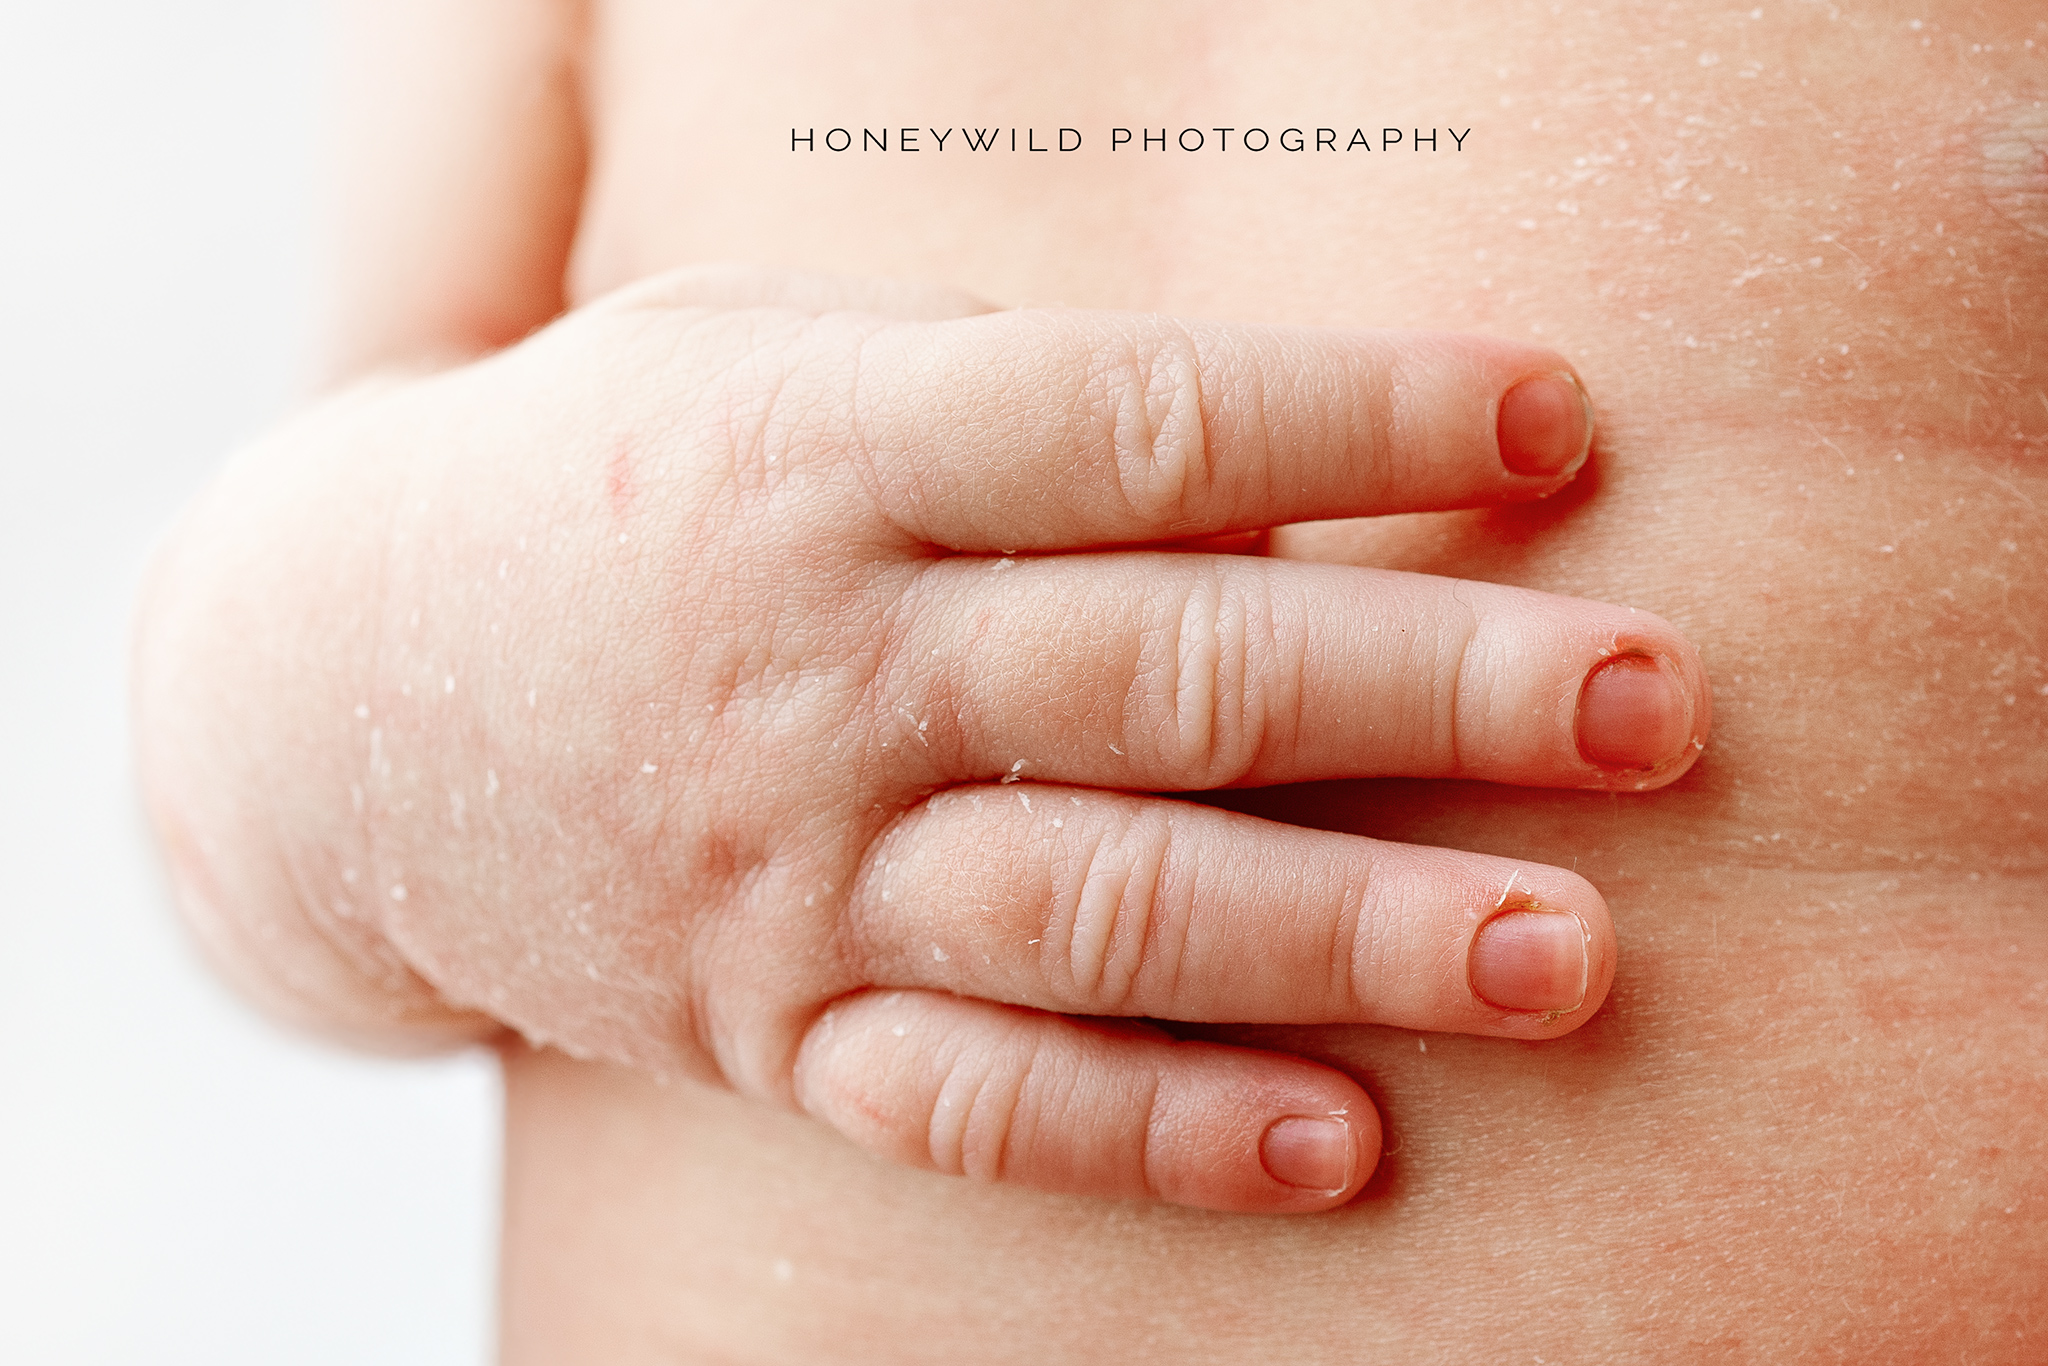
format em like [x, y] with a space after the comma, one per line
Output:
[1059, 429]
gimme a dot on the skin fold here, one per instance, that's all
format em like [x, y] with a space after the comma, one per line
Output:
[1796, 256]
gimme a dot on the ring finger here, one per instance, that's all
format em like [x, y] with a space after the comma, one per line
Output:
[1098, 903]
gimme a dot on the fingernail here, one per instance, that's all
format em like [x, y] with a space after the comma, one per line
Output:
[1311, 1154]
[1632, 713]
[1530, 960]
[1545, 426]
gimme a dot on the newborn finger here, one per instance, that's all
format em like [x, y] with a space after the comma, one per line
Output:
[1097, 903]
[1001, 1094]
[1190, 672]
[1050, 429]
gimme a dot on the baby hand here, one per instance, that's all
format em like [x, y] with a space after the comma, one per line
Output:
[761, 678]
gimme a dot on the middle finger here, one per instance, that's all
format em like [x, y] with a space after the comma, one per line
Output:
[1190, 672]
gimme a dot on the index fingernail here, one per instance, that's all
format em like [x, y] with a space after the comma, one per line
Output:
[1530, 960]
[1545, 426]
[1632, 714]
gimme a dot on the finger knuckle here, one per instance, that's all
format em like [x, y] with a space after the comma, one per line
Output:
[759, 409]
[787, 401]
[1391, 409]
[1365, 940]
[1123, 928]
[1465, 672]
[1148, 394]
[1155, 1145]
[1204, 680]
[980, 1116]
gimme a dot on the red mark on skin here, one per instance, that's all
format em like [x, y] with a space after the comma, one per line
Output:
[618, 483]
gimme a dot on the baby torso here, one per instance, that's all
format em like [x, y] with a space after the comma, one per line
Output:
[1800, 257]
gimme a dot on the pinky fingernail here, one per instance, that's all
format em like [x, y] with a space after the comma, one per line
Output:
[1308, 1153]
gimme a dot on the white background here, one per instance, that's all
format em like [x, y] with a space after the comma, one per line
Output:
[178, 1182]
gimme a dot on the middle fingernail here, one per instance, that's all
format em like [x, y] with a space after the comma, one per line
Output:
[1530, 960]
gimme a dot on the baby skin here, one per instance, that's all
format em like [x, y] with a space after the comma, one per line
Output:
[766, 679]
[439, 756]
